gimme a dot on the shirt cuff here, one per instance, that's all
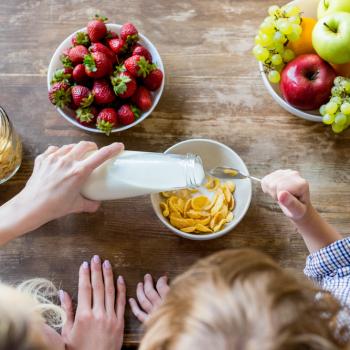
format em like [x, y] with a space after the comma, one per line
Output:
[328, 260]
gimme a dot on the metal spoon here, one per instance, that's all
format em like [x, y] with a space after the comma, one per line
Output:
[230, 173]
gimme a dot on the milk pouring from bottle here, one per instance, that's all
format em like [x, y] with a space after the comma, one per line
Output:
[132, 174]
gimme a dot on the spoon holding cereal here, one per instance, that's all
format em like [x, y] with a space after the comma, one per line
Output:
[230, 173]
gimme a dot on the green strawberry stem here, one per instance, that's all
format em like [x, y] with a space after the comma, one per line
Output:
[62, 98]
[89, 62]
[144, 67]
[82, 38]
[119, 69]
[100, 18]
[67, 63]
[87, 101]
[120, 84]
[104, 126]
[136, 111]
[60, 76]
[84, 115]
[132, 39]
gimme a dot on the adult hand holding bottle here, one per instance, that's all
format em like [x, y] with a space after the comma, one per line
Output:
[53, 190]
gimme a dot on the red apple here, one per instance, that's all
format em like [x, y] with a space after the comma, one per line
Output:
[307, 81]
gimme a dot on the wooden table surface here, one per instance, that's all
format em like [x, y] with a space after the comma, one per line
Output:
[213, 90]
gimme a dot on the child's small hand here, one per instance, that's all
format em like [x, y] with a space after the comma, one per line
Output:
[149, 297]
[290, 190]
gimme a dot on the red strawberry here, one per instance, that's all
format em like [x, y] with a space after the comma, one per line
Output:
[97, 29]
[142, 51]
[82, 96]
[117, 45]
[79, 74]
[98, 47]
[154, 79]
[103, 92]
[106, 120]
[142, 98]
[86, 116]
[77, 53]
[60, 94]
[124, 84]
[81, 38]
[129, 33]
[64, 74]
[127, 114]
[97, 65]
[138, 66]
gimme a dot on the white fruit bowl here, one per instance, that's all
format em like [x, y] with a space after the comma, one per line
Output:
[213, 154]
[309, 9]
[68, 114]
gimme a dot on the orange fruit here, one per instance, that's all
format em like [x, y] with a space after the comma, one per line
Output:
[304, 44]
[342, 69]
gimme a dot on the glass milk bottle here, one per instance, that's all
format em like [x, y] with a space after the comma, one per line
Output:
[10, 148]
[132, 174]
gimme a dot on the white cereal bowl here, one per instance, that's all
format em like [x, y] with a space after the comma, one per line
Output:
[68, 114]
[309, 9]
[213, 154]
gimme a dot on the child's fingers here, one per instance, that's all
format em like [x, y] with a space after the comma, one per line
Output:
[139, 314]
[162, 286]
[291, 206]
[151, 294]
[67, 306]
[141, 297]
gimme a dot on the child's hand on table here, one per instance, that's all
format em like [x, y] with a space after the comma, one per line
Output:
[99, 319]
[149, 297]
[53, 190]
[291, 192]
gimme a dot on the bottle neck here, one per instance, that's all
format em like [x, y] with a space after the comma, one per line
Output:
[194, 170]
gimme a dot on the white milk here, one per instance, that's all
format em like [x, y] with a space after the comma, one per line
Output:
[133, 174]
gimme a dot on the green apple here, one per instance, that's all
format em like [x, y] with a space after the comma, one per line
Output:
[331, 38]
[326, 7]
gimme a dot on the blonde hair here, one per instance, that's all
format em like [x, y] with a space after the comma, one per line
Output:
[23, 312]
[242, 300]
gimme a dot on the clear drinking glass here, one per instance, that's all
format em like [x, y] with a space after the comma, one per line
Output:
[10, 148]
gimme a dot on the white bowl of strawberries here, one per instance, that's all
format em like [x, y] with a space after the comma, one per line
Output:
[105, 78]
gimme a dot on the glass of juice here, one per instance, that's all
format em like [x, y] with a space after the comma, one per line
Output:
[10, 148]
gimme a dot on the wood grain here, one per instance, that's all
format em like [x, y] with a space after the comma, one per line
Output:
[213, 90]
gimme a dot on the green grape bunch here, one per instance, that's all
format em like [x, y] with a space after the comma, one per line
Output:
[337, 111]
[276, 31]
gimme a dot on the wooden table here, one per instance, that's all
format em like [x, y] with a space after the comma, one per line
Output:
[213, 90]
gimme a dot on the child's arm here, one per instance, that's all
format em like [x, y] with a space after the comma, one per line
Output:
[292, 194]
[53, 190]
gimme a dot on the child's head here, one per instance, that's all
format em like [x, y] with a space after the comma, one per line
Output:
[242, 300]
[24, 315]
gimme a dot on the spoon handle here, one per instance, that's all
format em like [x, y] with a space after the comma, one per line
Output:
[230, 173]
